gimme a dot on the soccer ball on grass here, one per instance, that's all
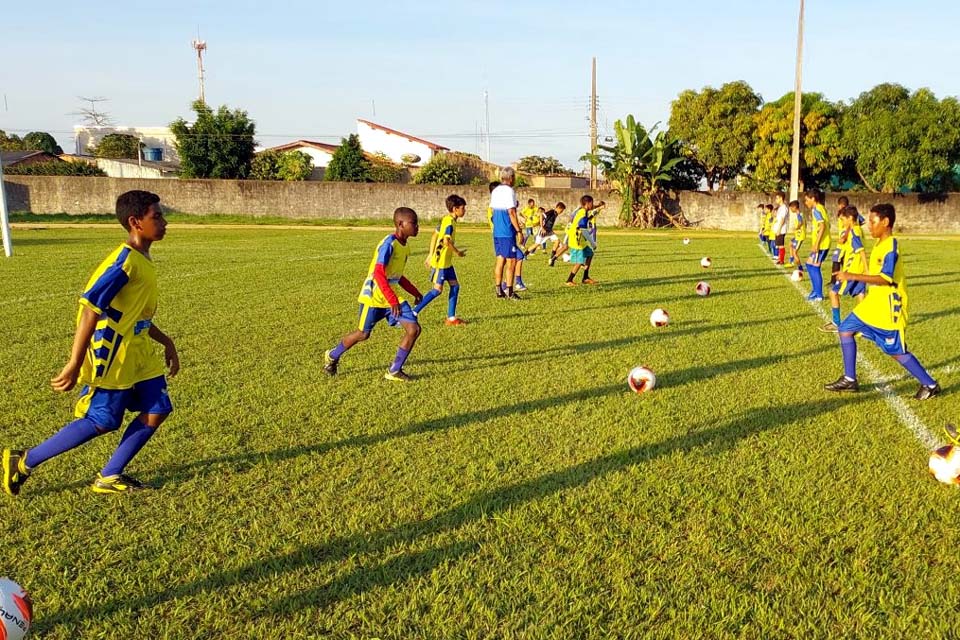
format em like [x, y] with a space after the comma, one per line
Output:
[659, 318]
[641, 380]
[16, 610]
[703, 288]
[705, 262]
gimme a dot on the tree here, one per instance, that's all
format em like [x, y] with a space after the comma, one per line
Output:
[641, 165]
[542, 166]
[291, 166]
[41, 141]
[903, 141]
[383, 169]
[716, 128]
[348, 163]
[218, 145]
[822, 153]
[117, 145]
[438, 171]
[11, 142]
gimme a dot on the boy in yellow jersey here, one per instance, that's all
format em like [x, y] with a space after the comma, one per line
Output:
[882, 315]
[113, 357]
[798, 225]
[762, 224]
[378, 300]
[531, 220]
[837, 254]
[771, 230]
[820, 245]
[853, 259]
[579, 239]
[440, 260]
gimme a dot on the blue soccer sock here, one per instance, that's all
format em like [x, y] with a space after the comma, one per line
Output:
[427, 299]
[134, 438]
[836, 316]
[816, 281]
[400, 360]
[338, 351]
[911, 364]
[71, 436]
[452, 301]
[848, 345]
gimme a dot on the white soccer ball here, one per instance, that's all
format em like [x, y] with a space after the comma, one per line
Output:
[797, 276]
[641, 380]
[703, 288]
[16, 610]
[686, 241]
[945, 465]
[566, 257]
[705, 262]
[659, 318]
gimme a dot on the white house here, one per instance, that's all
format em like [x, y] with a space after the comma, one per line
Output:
[376, 138]
[158, 142]
[320, 152]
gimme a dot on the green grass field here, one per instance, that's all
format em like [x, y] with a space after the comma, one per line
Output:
[516, 489]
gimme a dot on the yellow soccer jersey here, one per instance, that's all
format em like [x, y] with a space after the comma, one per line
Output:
[885, 306]
[123, 293]
[852, 251]
[577, 229]
[442, 254]
[799, 226]
[768, 225]
[393, 256]
[820, 222]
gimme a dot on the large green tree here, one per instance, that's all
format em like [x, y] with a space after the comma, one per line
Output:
[348, 164]
[716, 128]
[290, 166]
[41, 141]
[822, 152]
[901, 140]
[542, 166]
[117, 145]
[219, 144]
[10, 142]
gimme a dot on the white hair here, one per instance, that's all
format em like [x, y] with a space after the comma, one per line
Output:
[506, 173]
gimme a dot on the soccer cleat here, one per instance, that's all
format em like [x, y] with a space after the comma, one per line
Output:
[521, 287]
[500, 293]
[952, 434]
[454, 322]
[13, 475]
[829, 327]
[398, 376]
[843, 383]
[513, 296]
[925, 392]
[569, 283]
[552, 260]
[329, 364]
[121, 483]
[816, 299]
[589, 281]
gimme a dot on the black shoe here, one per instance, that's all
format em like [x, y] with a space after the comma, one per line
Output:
[925, 392]
[329, 364]
[13, 475]
[553, 259]
[500, 293]
[121, 483]
[843, 383]
[513, 296]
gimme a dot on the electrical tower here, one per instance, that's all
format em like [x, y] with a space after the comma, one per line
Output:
[200, 46]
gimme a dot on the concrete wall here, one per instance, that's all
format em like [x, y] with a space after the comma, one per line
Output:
[734, 211]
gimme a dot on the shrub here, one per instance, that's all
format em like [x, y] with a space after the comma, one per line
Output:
[438, 171]
[55, 168]
[382, 169]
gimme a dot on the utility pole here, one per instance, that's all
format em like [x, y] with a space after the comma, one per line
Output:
[4, 219]
[486, 118]
[200, 46]
[797, 95]
[593, 123]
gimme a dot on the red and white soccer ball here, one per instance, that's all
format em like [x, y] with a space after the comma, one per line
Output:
[16, 610]
[705, 262]
[659, 318]
[641, 380]
[703, 288]
[944, 464]
[797, 276]
[686, 241]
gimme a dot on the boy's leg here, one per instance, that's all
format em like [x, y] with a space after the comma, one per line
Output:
[781, 249]
[573, 272]
[411, 331]
[498, 275]
[816, 277]
[586, 271]
[452, 318]
[369, 316]
[428, 298]
[18, 464]
[518, 276]
[511, 264]
[848, 346]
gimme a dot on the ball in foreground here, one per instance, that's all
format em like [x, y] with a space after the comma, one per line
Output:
[16, 610]
[703, 288]
[659, 318]
[566, 257]
[641, 380]
[797, 276]
[705, 262]
[945, 464]
[686, 241]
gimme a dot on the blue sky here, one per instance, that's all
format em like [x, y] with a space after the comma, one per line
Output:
[309, 69]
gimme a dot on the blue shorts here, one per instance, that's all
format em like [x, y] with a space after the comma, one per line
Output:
[439, 276]
[817, 257]
[105, 407]
[849, 288]
[370, 316]
[796, 244]
[580, 256]
[892, 342]
[505, 248]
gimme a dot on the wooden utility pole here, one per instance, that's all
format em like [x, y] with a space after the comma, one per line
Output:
[593, 123]
[797, 96]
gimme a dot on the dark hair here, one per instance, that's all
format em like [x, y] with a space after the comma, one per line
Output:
[531, 201]
[849, 212]
[885, 210]
[404, 212]
[781, 195]
[843, 201]
[134, 204]
[453, 201]
[585, 199]
[760, 206]
[814, 194]
[768, 207]
[494, 185]
[795, 204]
[560, 205]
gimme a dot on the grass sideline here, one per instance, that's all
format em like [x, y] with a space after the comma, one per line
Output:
[516, 488]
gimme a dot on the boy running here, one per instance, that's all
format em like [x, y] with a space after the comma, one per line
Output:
[853, 259]
[440, 260]
[549, 219]
[379, 301]
[531, 220]
[821, 242]
[579, 240]
[112, 356]
[882, 315]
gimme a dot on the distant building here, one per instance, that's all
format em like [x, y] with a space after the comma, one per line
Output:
[158, 142]
[400, 147]
[558, 182]
[13, 158]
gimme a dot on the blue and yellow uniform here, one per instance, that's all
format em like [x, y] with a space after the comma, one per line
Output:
[798, 226]
[441, 262]
[882, 315]
[819, 253]
[375, 305]
[579, 240]
[531, 219]
[851, 255]
[121, 370]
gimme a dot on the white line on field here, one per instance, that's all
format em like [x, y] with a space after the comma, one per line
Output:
[905, 413]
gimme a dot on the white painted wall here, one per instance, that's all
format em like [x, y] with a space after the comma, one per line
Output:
[121, 169]
[153, 137]
[393, 146]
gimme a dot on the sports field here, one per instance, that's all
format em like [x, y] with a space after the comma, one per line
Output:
[516, 488]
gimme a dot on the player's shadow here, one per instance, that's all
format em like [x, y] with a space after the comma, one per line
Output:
[370, 547]
[918, 318]
[683, 377]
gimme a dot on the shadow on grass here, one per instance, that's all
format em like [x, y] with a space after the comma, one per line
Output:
[917, 318]
[482, 507]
